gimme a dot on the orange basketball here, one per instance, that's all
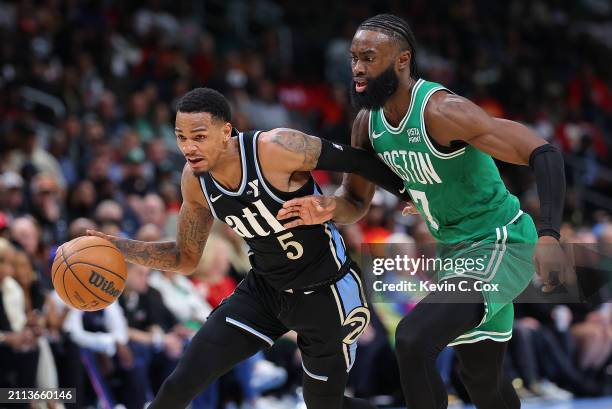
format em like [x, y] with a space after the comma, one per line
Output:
[89, 273]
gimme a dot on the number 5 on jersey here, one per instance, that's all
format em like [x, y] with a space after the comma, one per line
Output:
[297, 249]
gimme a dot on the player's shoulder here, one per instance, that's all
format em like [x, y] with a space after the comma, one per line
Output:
[360, 134]
[275, 135]
[443, 105]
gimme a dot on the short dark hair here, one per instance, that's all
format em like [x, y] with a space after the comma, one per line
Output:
[397, 28]
[205, 100]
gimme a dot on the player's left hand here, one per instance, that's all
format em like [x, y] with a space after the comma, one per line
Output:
[307, 210]
[551, 263]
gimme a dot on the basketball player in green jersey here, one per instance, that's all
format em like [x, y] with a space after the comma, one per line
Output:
[442, 146]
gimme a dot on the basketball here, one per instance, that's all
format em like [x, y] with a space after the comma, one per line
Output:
[89, 273]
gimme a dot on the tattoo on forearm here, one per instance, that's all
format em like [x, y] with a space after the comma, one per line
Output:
[164, 255]
[299, 142]
[193, 230]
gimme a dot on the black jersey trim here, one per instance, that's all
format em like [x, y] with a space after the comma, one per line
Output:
[260, 173]
[271, 190]
[205, 192]
[244, 172]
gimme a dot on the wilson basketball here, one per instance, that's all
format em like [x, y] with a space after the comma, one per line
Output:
[89, 273]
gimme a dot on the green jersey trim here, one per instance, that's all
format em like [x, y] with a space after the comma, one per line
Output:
[501, 235]
[402, 124]
[434, 151]
[472, 334]
[496, 338]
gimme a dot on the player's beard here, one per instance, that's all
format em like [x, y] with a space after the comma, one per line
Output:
[378, 91]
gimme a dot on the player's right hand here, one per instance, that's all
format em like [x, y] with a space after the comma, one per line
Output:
[551, 263]
[307, 210]
[409, 209]
[108, 237]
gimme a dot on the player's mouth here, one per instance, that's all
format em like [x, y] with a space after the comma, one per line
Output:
[360, 84]
[195, 162]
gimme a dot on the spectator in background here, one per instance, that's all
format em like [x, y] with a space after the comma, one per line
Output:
[153, 211]
[163, 126]
[4, 231]
[12, 200]
[26, 232]
[264, 111]
[138, 116]
[48, 208]
[374, 226]
[41, 314]
[108, 113]
[102, 338]
[81, 200]
[153, 344]
[18, 343]
[211, 275]
[148, 232]
[116, 217]
[135, 180]
[31, 153]
[79, 227]
[181, 298]
[118, 81]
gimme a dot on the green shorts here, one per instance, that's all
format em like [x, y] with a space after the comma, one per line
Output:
[503, 266]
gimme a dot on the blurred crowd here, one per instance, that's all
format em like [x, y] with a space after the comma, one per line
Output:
[87, 90]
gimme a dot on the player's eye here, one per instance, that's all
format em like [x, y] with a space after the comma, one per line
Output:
[200, 138]
[354, 59]
[369, 59]
[181, 138]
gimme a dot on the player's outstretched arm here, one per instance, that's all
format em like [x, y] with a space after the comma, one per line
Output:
[194, 223]
[294, 151]
[451, 117]
[349, 204]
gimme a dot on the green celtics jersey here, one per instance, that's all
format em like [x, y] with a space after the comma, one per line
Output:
[459, 193]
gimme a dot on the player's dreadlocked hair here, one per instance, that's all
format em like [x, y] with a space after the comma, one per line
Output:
[205, 100]
[397, 28]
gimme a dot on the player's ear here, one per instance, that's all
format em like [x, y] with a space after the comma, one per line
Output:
[227, 132]
[403, 60]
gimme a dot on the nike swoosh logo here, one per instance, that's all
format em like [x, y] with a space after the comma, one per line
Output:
[377, 135]
[402, 190]
[214, 199]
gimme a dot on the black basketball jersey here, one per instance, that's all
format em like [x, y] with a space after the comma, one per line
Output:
[288, 258]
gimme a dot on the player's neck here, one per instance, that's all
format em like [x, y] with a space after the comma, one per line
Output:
[398, 104]
[228, 169]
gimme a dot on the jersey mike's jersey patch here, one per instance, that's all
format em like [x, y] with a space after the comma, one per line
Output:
[287, 258]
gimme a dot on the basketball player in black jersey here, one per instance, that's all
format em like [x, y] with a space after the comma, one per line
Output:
[301, 279]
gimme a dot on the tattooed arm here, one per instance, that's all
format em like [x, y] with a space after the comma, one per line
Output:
[194, 224]
[288, 150]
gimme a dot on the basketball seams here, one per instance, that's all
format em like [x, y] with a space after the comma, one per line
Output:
[64, 280]
[88, 247]
[79, 280]
[95, 265]
[53, 272]
[75, 241]
[75, 252]
[57, 274]
[65, 257]
[87, 288]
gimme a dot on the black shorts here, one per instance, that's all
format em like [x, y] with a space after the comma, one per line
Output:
[327, 319]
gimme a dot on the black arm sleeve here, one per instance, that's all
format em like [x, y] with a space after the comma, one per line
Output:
[343, 158]
[547, 163]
